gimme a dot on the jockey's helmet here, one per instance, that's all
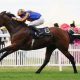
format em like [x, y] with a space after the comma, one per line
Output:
[20, 12]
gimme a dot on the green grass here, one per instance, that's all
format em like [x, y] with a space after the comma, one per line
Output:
[28, 73]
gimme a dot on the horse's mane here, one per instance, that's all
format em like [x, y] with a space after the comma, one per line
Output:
[10, 15]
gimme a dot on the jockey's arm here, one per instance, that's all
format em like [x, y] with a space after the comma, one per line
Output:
[22, 19]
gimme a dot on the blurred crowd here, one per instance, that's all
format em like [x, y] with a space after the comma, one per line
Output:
[71, 28]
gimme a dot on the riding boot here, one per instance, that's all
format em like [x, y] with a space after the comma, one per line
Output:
[35, 29]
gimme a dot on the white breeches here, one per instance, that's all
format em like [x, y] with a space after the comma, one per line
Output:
[36, 22]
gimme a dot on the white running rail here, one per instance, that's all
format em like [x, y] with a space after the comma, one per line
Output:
[36, 57]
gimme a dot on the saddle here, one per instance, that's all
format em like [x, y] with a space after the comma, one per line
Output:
[42, 32]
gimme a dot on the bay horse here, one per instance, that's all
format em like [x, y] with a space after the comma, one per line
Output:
[22, 40]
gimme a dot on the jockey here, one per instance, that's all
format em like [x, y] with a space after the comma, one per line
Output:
[34, 18]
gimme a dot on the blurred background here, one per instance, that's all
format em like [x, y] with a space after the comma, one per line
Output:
[60, 11]
[53, 11]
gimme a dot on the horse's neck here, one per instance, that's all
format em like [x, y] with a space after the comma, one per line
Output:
[13, 29]
[14, 26]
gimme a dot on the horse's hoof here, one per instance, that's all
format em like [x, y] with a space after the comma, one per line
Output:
[75, 72]
[37, 72]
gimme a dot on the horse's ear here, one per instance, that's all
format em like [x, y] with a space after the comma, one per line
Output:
[3, 12]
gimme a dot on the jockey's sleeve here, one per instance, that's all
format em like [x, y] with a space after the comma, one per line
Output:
[24, 18]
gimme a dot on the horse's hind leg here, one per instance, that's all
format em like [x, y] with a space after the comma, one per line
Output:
[47, 58]
[71, 58]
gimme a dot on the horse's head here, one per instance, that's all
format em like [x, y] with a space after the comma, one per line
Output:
[8, 14]
[2, 18]
[5, 17]
[7, 21]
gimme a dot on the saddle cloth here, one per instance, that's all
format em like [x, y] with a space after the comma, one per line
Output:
[42, 31]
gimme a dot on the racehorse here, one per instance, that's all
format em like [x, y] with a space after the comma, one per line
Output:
[21, 39]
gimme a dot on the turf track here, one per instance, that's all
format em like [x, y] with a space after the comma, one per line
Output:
[28, 73]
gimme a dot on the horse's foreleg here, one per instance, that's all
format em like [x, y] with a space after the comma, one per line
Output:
[6, 54]
[8, 48]
[71, 58]
[47, 58]
[5, 49]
